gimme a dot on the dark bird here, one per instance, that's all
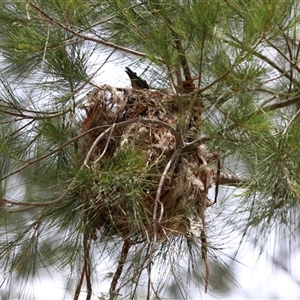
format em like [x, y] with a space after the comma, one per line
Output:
[136, 82]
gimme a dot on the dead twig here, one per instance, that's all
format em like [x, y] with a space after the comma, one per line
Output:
[106, 145]
[205, 259]
[122, 260]
[85, 272]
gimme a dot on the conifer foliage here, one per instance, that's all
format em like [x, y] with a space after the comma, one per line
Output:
[95, 172]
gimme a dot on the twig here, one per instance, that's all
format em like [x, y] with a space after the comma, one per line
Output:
[181, 55]
[106, 145]
[136, 130]
[123, 256]
[215, 81]
[205, 259]
[150, 283]
[89, 38]
[70, 186]
[86, 247]
[295, 116]
[264, 58]
[232, 179]
[141, 269]
[217, 182]
[79, 284]
[86, 271]
[155, 222]
[160, 185]
[280, 104]
[92, 148]
[291, 62]
[29, 163]
[45, 48]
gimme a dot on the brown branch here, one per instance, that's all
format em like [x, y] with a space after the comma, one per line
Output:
[205, 259]
[232, 7]
[150, 282]
[159, 189]
[263, 109]
[231, 179]
[31, 162]
[46, 115]
[215, 81]
[79, 285]
[106, 145]
[201, 61]
[96, 141]
[141, 268]
[87, 267]
[70, 186]
[194, 144]
[264, 58]
[116, 277]
[217, 182]
[280, 104]
[86, 271]
[89, 38]
[117, 125]
[291, 62]
[182, 56]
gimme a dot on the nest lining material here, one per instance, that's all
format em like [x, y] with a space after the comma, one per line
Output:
[164, 191]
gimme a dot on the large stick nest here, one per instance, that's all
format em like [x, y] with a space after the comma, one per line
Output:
[150, 177]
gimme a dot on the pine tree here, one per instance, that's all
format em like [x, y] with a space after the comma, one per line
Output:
[96, 173]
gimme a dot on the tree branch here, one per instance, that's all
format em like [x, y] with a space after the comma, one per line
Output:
[89, 38]
[232, 179]
[122, 260]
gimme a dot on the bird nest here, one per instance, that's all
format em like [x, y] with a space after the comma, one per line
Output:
[148, 179]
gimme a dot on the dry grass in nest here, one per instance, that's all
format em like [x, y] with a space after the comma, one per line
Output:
[150, 173]
[161, 190]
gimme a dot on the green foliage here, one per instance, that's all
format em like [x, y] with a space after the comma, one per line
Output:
[243, 58]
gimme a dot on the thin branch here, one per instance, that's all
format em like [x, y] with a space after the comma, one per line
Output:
[217, 181]
[44, 114]
[45, 48]
[215, 81]
[31, 162]
[150, 282]
[87, 268]
[263, 109]
[182, 56]
[106, 145]
[141, 268]
[122, 260]
[73, 182]
[234, 9]
[295, 116]
[159, 189]
[201, 61]
[205, 259]
[120, 124]
[79, 285]
[86, 271]
[155, 221]
[94, 145]
[264, 58]
[232, 179]
[89, 38]
[12, 211]
[293, 64]
[280, 104]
